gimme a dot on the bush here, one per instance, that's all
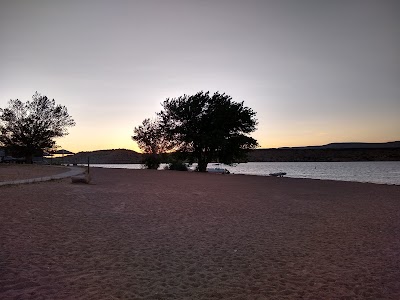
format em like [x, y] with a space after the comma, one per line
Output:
[151, 161]
[177, 166]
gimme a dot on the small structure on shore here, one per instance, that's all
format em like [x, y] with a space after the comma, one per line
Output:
[218, 170]
[83, 178]
[278, 174]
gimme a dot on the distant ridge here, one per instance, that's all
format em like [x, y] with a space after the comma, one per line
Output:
[354, 145]
[113, 156]
[331, 152]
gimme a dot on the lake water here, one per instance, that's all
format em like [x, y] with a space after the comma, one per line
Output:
[384, 172]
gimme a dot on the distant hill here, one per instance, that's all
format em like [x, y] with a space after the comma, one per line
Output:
[351, 146]
[331, 152]
[114, 156]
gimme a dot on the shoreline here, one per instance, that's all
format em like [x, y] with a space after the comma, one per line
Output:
[143, 234]
[14, 172]
[262, 175]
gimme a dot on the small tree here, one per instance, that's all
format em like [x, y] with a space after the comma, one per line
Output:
[152, 141]
[209, 127]
[28, 129]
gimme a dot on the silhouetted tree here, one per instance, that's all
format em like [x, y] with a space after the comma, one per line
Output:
[209, 127]
[151, 139]
[28, 129]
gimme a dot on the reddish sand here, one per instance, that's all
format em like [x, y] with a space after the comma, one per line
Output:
[9, 172]
[139, 234]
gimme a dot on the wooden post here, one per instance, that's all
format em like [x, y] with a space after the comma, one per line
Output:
[88, 164]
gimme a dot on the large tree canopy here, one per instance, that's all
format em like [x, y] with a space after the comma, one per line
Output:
[209, 127]
[29, 128]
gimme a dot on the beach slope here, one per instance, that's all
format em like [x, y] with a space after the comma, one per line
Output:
[142, 234]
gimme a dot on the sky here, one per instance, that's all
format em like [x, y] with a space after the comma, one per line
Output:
[314, 71]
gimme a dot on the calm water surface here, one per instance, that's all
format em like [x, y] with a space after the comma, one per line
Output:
[386, 172]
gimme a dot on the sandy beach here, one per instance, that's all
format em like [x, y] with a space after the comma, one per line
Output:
[142, 234]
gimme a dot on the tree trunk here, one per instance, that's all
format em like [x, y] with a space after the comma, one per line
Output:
[202, 163]
[29, 159]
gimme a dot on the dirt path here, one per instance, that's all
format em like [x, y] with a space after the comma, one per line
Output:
[9, 172]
